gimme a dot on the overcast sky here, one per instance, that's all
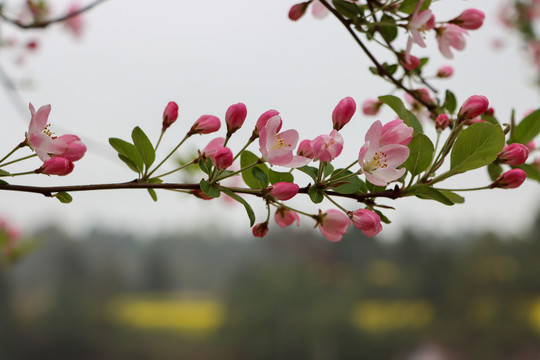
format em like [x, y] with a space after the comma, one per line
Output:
[135, 56]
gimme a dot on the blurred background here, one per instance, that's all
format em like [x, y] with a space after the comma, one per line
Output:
[114, 275]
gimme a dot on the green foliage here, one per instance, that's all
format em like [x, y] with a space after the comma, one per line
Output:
[427, 192]
[315, 194]
[350, 185]
[450, 102]
[255, 177]
[527, 129]
[4, 173]
[128, 153]
[347, 9]
[144, 146]
[241, 200]
[531, 170]
[494, 171]
[153, 194]
[408, 117]
[64, 197]
[310, 170]
[389, 29]
[421, 153]
[205, 165]
[275, 176]
[408, 6]
[208, 189]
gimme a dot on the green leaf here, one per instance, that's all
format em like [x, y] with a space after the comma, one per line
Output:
[248, 208]
[143, 146]
[476, 146]
[252, 176]
[2, 182]
[4, 173]
[408, 117]
[494, 171]
[384, 219]
[531, 170]
[64, 197]
[153, 194]
[429, 193]
[421, 152]
[452, 196]
[127, 151]
[275, 176]
[205, 165]
[347, 9]
[373, 188]
[450, 102]
[408, 6]
[315, 194]
[328, 169]
[310, 170]
[352, 185]
[389, 29]
[209, 190]
[527, 129]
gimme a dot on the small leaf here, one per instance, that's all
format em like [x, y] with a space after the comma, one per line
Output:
[248, 208]
[494, 171]
[2, 182]
[248, 159]
[408, 6]
[143, 146]
[128, 151]
[129, 163]
[452, 196]
[260, 175]
[429, 193]
[205, 165]
[347, 9]
[408, 117]
[328, 169]
[315, 194]
[310, 170]
[421, 152]
[450, 102]
[4, 173]
[209, 190]
[388, 28]
[476, 146]
[384, 219]
[527, 129]
[153, 194]
[276, 177]
[64, 197]
[352, 185]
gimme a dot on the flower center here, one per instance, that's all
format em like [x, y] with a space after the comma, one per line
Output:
[47, 131]
[279, 143]
[378, 161]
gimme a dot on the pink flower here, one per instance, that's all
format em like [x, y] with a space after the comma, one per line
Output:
[420, 22]
[223, 158]
[371, 107]
[283, 190]
[40, 138]
[510, 179]
[305, 150]
[260, 229]
[343, 112]
[470, 19]
[170, 114]
[56, 166]
[213, 146]
[333, 224]
[474, 106]
[396, 132]
[448, 36]
[298, 10]
[285, 217]
[327, 147]
[366, 220]
[235, 117]
[408, 61]
[445, 72]
[277, 148]
[513, 154]
[442, 122]
[75, 23]
[379, 160]
[75, 149]
[319, 10]
[206, 124]
[263, 119]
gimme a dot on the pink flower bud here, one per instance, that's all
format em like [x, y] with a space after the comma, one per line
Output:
[32, 45]
[263, 119]
[510, 179]
[235, 117]
[470, 19]
[445, 72]
[260, 229]
[442, 122]
[298, 10]
[327, 147]
[490, 111]
[513, 154]
[201, 195]
[371, 107]
[333, 224]
[285, 217]
[284, 190]
[170, 114]
[213, 146]
[366, 220]
[410, 62]
[396, 132]
[305, 150]
[474, 106]
[56, 166]
[223, 158]
[343, 112]
[75, 149]
[206, 124]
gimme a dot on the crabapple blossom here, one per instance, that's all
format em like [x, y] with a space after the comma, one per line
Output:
[263, 119]
[470, 19]
[260, 230]
[56, 166]
[213, 146]
[206, 124]
[510, 179]
[396, 132]
[298, 10]
[371, 107]
[319, 10]
[448, 36]
[409, 62]
[420, 22]
[442, 122]
[223, 158]
[40, 138]
[343, 112]
[474, 106]
[75, 149]
[235, 117]
[366, 220]
[284, 190]
[277, 148]
[285, 217]
[333, 224]
[513, 154]
[170, 114]
[327, 147]
[305, 150]
[445, 71]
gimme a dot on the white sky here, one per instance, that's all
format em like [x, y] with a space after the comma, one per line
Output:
[136, 56]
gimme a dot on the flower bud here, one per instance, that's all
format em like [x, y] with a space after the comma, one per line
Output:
[263, 119]
[56, 166]
[474, 106]
[445, 72]
[305, 150]
[513, 154]
[213, 146]
[371, 107]
[285, 217]
[396, 132]
[470, 19]
[298, 10]
[235, 117]
[260, 229]
[206, 124]
[75, 149]
[366, 220]
[442, 122]
[410, 62]
[170, 114]
[284, 190]
[333, 224]
[510, 179]
[223, 158]
[343, 112]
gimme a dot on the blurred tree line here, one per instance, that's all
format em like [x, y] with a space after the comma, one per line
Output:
[290, 295]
